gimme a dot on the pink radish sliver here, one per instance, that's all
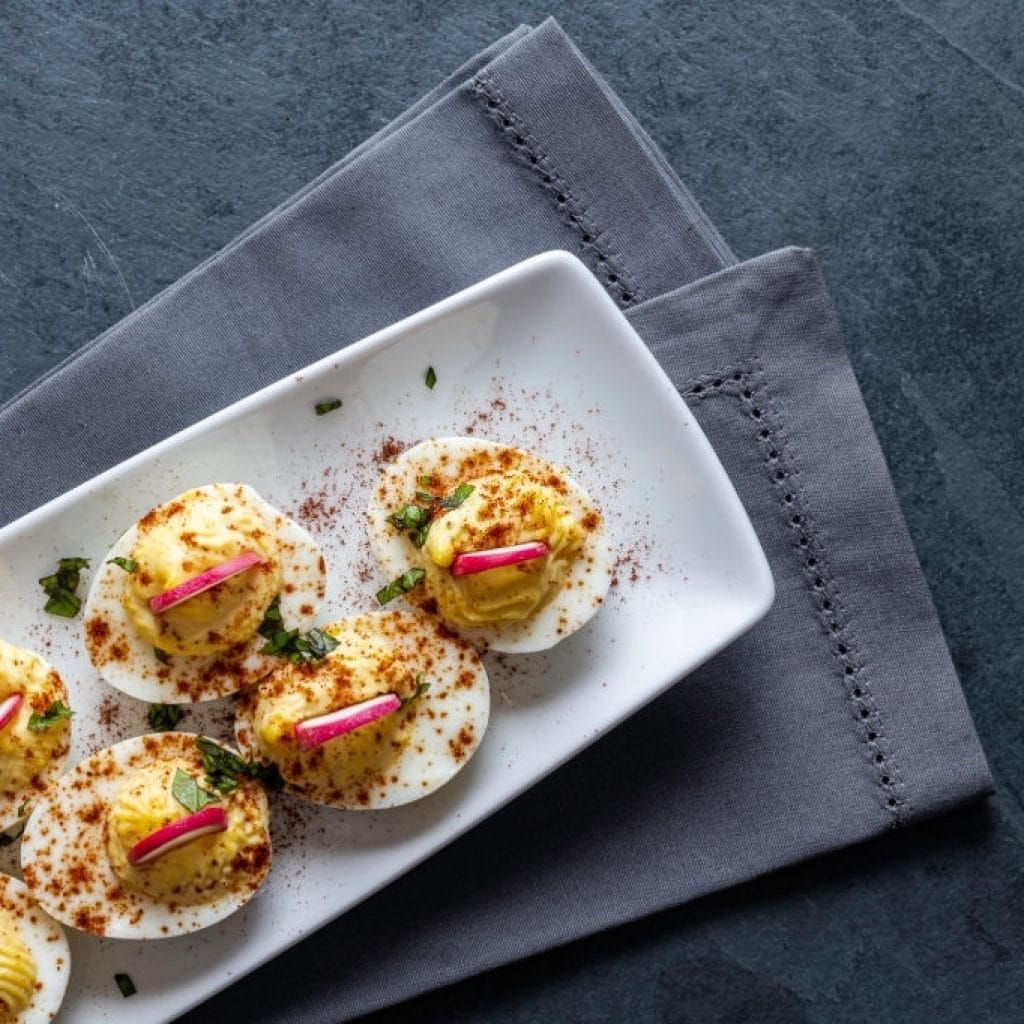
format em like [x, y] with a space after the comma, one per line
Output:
[9, 708]
[168, 837]
[314, 732]
[204, 581]
[470, 562]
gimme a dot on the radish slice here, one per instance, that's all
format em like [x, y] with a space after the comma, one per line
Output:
[314, 732]
[493, 558]
[212, 818]
[204, 581]
[9, 708]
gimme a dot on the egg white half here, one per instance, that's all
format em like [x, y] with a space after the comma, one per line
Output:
[64, 854]
[130, 664]
[447, 722]
[15, 802]
[49, 947]
[591, 571]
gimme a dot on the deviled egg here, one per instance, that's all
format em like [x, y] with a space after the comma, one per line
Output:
[35, 730]
[505, 547]
[158, 835]
[35, 960]
[393, 712]
[175, 612]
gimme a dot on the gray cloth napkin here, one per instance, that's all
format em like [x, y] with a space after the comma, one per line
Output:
[836, 718]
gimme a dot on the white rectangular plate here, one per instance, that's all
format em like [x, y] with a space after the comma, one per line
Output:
[537, 356]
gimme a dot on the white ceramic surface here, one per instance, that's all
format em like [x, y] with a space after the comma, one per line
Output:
[537, 356]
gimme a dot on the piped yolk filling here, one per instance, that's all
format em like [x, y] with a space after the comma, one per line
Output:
[503, 509]
[24, 753]
[201, 870]
[174, 543]
[357, 670]
[17, 969]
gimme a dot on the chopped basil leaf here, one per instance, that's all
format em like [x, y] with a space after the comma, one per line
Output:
[416, 520]
[431, 378]
[290, 643]
[55, 713]
[409, 580]
[322, 408]
[125, 984]
[164, 717]
[189, 793]
[223, 768]
[128, 564]
[300, 647]
[410, 517]
[60, 587]
[313, 646]
[421, 688]
[272, 623]
[279, 642]
[458, 496]
[161, 656]
[425, 481]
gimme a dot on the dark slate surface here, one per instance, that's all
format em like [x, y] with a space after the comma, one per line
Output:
[137, 139]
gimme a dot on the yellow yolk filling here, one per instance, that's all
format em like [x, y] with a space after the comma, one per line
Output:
[504, 509]
[23, 753]
[17, 969]
[201, 870]
[189, 535]
[358, 669]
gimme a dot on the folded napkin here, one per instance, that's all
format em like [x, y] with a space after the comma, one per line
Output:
[836, 718]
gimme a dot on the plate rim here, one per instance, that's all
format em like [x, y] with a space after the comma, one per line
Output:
[758, 589]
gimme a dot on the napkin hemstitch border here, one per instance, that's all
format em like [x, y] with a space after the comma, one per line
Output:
[604, 263]
[745, 382]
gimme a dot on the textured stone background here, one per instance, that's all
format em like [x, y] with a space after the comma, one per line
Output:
[136, 139]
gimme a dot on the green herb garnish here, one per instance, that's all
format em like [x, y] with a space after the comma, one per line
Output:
[409, 580]
[190, 794]
[299, 647]
[223, 768]
[125, 984]
[280, 642]
[411, 517]
[290, 643]
[272, 623]
[128, 564]
[458, 496]
[416, 520]
[61, 586]
[426, 480]
[164, 717]
[322, 408]
[431, 378]
[55, 713]
[312, 646]
[161, 656]
[421, 688]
